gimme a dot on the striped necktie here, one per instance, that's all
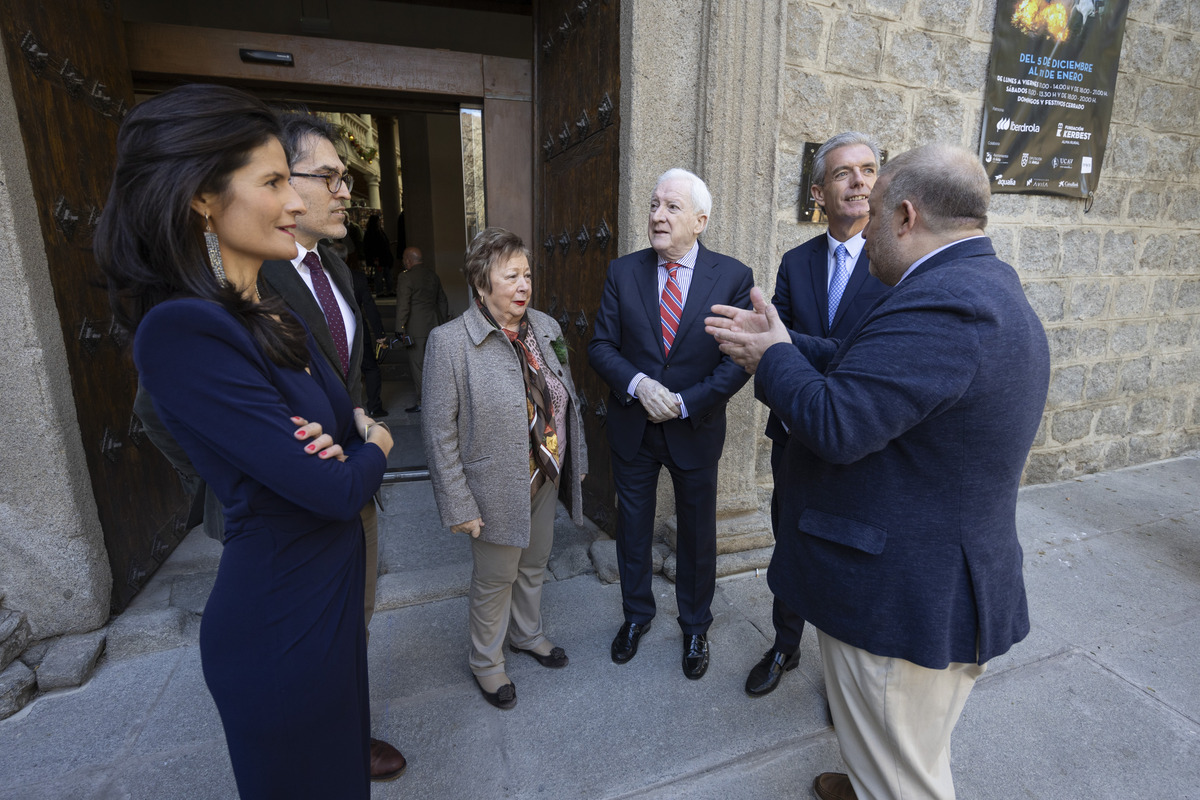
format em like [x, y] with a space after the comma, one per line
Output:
[670, 308]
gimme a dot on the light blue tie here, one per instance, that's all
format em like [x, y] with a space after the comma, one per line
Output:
[841, 276]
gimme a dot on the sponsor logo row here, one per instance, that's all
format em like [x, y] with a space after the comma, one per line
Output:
[1036, 183]
[1063, 131]
[1028, 160]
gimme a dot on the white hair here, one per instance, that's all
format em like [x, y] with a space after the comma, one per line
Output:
[701, 197]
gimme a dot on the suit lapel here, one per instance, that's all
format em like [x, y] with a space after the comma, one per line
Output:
[703, 280]
[647, 289]
[285, 281]
[345, 283]
[818, 273]
[857, 279]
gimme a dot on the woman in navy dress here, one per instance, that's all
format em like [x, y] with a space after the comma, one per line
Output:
[200, 198]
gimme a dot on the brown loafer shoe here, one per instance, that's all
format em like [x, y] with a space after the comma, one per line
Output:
[833, 786]
[387, 763]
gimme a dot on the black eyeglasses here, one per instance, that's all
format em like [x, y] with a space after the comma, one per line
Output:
[333, 181]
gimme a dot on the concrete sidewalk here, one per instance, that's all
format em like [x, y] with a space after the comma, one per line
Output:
[1101, 701]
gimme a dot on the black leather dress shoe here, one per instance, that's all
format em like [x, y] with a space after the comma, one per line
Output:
[695, 656]
[624, 646]
[414, 409]
[767, 673]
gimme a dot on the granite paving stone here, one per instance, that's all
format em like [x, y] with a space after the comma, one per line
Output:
[70, 661]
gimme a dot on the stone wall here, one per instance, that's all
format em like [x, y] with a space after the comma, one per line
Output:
[1118, 288]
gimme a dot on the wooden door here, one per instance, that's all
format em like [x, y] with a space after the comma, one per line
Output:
[577, 83]
[72, 87]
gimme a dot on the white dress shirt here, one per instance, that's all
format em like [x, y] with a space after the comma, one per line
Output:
[854, 247]
[306, 274]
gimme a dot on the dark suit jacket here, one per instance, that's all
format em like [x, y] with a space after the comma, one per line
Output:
[421, 303]
[281, 278]
[802, 298]
[898, 523]
[628, 340]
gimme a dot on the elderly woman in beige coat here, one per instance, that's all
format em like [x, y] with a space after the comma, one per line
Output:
[502, 432]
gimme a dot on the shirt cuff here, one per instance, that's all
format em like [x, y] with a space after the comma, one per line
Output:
[633, 383]
[682, 407]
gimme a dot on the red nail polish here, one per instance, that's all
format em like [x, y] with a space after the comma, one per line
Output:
[323, 453]
[311, 447]
[300, 434]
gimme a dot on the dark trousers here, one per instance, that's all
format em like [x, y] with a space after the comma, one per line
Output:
[636, 483]
[371, 375]
[789, 625]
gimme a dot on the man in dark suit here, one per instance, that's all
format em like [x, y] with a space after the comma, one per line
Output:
[420, 307]
[898, 538]
[670, 385]
[316, 284]
[822, 289]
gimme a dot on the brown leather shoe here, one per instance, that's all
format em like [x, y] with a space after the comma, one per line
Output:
[834, 786]
[387, 763]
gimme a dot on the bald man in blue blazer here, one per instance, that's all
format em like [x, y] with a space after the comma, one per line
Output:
[670, 385]
[898, 536]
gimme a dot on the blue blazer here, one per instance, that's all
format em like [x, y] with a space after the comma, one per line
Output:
[628, 340]
[897, 526]
[802, 299]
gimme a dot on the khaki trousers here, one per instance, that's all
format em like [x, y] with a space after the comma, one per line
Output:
[893, 720]
[506, 583]
[370, 523]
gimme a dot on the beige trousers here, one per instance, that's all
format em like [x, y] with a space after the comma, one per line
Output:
[370, 523]
[893, 720]
[506, 583]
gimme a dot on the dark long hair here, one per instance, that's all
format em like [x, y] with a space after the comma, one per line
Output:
[149, 241]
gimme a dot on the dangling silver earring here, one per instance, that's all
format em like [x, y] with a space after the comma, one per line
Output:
[214, 251]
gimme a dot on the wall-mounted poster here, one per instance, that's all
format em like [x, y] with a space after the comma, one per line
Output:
[1050, 93]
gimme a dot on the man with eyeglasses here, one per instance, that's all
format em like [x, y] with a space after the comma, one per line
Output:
[316, 284]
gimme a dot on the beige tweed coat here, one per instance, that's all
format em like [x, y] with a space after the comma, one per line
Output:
[476, 430]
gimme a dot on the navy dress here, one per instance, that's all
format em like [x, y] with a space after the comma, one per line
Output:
[282, 641]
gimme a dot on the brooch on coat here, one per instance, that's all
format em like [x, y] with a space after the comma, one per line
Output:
[560, 349]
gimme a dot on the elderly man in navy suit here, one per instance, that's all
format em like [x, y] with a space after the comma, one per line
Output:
[822, 289]
[898, 538]
[670, 385]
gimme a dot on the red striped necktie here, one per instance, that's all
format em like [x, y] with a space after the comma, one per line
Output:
[670, 307]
